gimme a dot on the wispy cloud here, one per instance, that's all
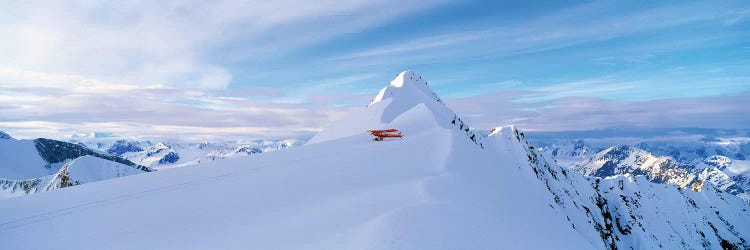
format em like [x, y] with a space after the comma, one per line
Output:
[565, 28]
[587, 113]
[249, 68]
[582, 88]
[73, 104]
[180, 43]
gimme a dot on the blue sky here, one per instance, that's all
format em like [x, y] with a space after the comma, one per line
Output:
[289, 68]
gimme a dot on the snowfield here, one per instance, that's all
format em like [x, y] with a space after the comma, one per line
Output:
[441, 187]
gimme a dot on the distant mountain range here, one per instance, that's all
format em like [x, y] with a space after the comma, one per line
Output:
[685, 163]
[170, 154]
[30, 166]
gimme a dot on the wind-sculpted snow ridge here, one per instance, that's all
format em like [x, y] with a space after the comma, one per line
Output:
[406, 92]
[433, 189]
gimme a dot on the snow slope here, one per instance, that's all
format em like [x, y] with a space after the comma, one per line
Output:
[89, 168]
[20, 160]
[28, 166]
[437, 188]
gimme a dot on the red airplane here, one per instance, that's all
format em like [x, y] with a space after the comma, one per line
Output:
[385, 133]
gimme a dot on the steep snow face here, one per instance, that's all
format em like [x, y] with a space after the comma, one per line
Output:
[434, 189]
[631, 212]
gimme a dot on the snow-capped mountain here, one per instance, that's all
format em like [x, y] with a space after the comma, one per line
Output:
[727, 174]
[624, 159]
[633, 212]
[568, 153]
[442, 186]
[179, 153]
[5, 136]
[171, 155]
[727, 154]
[120, 147]
[160, 153]
[697, 150]
[29, 166]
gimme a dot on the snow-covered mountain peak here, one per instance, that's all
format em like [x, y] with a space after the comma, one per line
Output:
[407, 85]
[568, 153]
[502, 130]
[208, 145]
[121, 146]
[505, 132]
[407, 103]
[407, 76]
[161, 145]
[5, 136]
[718, 161]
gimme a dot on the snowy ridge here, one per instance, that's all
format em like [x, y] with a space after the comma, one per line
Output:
[172, 153]
[29, 166]
[434, 189]
[405, 93]
[569, 153]
[695, 151]
[623, 159]
[180, 154]
[4, 136]
[632, 212]
[121, 147]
